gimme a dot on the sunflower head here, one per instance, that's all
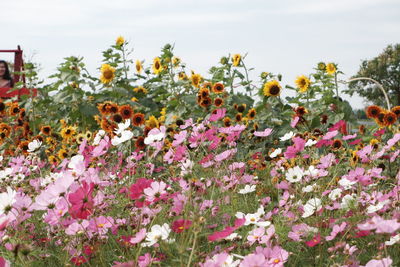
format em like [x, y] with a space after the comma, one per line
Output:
[204, 92]
[396, 110]
[236, 59]
[196, 79]
[46, 130]
[138, 66]
[68, 132]
[140, 143]
[218, 102]
[152, 122]
[227, 121]
[251, 114]
[390, 118]
[330, 68]
[205, 102]
[138, 119]
[182, 76]
[157, 67]
[218, 88]
[176, 61]
[107, 73]
[125, 111]
[120, 41]
[373, 111]
[302, 82]
[337, 143]
[272, 88]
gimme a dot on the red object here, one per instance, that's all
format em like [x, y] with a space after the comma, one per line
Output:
[18, 67]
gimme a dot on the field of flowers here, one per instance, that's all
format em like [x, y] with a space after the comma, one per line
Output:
[156, 165]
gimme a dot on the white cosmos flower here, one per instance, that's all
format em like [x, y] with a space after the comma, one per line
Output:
[311, 206]
[125, 136]
[100, 134]
[310, 142]
[335, 194]
[287, 136]
[275, 153]
[254, 218]
[379, 206]
[123, 126]
[233, 236]
[75, 162]
[155, 135]
[312, 171]
[347, 200]
[7, 199]
[228, 261]
[346, 184]
[247, 189]
[186, 167]
[294, 175]
[156, 234]
[393, 240]
[34, 145]
[309, 188]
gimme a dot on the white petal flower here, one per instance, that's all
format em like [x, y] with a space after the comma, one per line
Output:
[310, 142]
[311, 206]
[294, 175]
[156, 234]
[275, 153]
[7, 199]
[287, 136]
[346, 184]
[393, 240]
[377, 207]
[347, 201]
[34, 145]
[312, 171]
[247, 189]
[335, 194]
[100, 134]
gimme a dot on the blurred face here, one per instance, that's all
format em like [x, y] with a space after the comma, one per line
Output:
[2, 69]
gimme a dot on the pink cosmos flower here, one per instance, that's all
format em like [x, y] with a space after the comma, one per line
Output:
[314, 241]
[224, 155]
[217, 114]
[101, 224]
[179, 138]
[155, 190]
[298, 146]
[264, 133]
[180, 225]
[254, 260]
[348, 137]
[294, 122]
[136, 190]
[380, 225]
[227, 231]
[330, 135]
[336, 230]
[82, 201]
[385, 262]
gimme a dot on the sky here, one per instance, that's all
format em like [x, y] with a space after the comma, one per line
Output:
[286, 36]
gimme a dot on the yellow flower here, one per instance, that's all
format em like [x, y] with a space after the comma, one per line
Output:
[157, 68]
[139, 67]
[68, 132]
[140, 89]
[196, 79]
[330, 68]
[176, 61]
[236, 59]
[120, 41]
[272, 88]
[182, 75]
[302, 83]
[134, 99]
[107, 73]
[152, 122]
[163, 111]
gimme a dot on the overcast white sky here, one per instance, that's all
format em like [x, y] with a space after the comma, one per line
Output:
[285, 36]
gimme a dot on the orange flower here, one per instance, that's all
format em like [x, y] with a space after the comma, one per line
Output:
[138, 119]
[218, 102]
[373, 111]
[390, 118]
[140, 143]
[218, 88]
[126, 111]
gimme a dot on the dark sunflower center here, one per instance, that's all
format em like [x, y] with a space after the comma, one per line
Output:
[108, 74]
[274, 90]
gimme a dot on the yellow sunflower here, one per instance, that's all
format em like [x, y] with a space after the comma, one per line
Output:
[176, 61]
[107, 73]
[330, 68]
[120, 41]
[68, 132]
[157, 68]
[152, 122]
[236, 59]
[140, 89]
[139, 67]
[196, 79]
[302, 83]
[272, 88]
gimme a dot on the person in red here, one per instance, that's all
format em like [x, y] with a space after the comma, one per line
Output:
[5, 77]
